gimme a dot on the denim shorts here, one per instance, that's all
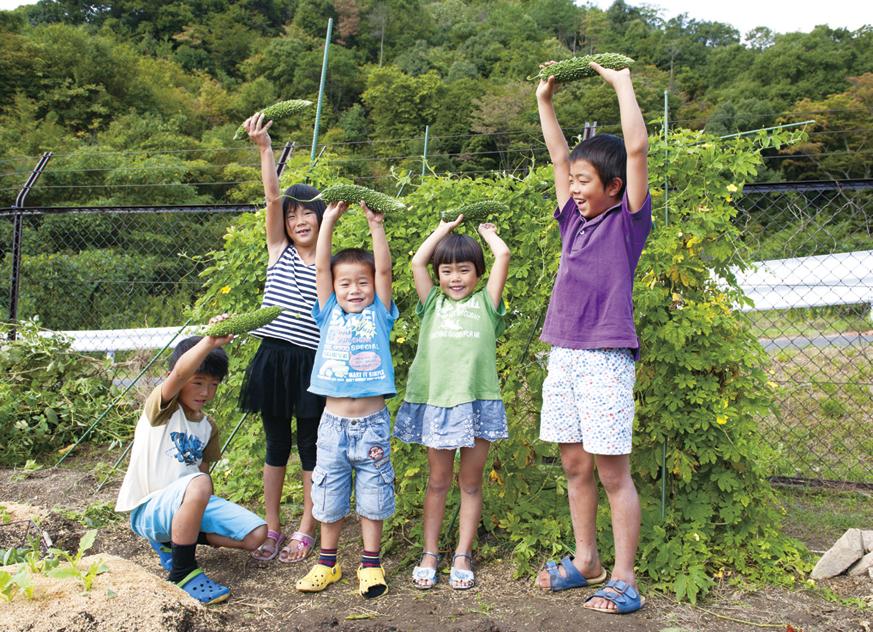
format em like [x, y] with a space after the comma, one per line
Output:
[588, 398]
[353, 444]
[451, 428]
[153, 519]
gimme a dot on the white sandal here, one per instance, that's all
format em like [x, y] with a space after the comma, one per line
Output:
[461, 579]
[425, 573]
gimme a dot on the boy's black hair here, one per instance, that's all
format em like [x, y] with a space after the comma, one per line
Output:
[214, 365]
[454, 248]
[607, 155]
[303, 195]
[353, 255]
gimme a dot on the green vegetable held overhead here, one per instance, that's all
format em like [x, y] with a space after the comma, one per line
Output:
[282, 109]
[353, 193]
[242, 323]
[578, 68]
[475, 212]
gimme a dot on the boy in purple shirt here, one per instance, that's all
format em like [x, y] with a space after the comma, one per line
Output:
[604, 215]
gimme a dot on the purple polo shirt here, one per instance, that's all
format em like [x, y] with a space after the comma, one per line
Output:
[591, 305]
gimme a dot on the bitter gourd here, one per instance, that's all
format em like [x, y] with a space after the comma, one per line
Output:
[353, 193]
[577, 67]
[242, 323]
[282, 109]
[475, 212]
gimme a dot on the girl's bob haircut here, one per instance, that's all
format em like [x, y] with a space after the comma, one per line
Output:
[304, 195]
[455, 248]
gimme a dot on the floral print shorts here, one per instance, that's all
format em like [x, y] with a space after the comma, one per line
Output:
[588, 398]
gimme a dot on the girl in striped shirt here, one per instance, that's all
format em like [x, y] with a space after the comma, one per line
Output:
[277, 380]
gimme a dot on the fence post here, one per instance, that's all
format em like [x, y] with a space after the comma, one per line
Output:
[321, 89]
[287, 150]
[15, 275]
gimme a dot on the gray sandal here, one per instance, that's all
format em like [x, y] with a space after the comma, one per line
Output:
[425, 573]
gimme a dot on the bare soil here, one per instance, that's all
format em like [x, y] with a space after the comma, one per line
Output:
[133, 595]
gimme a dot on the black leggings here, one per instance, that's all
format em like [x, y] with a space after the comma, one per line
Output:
[278, 433]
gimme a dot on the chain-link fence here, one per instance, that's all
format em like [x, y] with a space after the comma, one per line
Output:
[120, 278]
[813, 295]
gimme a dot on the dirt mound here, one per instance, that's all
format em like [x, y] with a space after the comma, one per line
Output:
[126, 598]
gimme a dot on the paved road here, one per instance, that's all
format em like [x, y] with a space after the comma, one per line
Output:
[849, 339]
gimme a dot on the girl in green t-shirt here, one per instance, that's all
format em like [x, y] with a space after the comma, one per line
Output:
[452, 395]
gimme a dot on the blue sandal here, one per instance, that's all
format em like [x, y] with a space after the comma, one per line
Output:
[203, 589]
[625, 597]
[461, 579]
[572, 578]
[165, 554]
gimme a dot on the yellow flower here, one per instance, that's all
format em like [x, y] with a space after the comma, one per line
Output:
[721, 420]
[401, 340]
[732, 188]
[225, 289]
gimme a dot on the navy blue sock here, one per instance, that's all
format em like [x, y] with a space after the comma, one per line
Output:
[327, 557]
[184, 561]
[371, 559]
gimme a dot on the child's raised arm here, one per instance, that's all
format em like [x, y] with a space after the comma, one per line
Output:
[277, 239]
[323, 250]
[188, 363]
[559, 151]
[422, 278]
[381, 255]
[636, 138]
[500, 268]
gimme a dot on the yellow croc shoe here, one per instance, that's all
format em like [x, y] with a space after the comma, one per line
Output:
[371, 582]
[319, 577]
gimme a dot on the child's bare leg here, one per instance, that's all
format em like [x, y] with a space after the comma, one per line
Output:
[439, 481]
[371, 533]
[186, 521]
[307, 521]
[274, 480]
[253, 539]
[470, 482]
[582, 496]
[330, 533]
[624, 504]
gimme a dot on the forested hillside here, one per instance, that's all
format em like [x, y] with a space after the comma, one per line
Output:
[139, 98]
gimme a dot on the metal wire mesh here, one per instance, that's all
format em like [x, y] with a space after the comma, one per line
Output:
[814, 296]
[96, 273]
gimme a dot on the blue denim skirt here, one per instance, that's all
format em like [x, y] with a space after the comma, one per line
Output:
[451, 428]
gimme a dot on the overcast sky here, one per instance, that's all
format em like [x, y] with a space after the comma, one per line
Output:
[781, 16]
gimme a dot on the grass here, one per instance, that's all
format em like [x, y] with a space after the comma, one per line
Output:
[819, 516]
[823, 407]
[813, 321]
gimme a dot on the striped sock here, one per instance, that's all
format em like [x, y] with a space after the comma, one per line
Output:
[371, 559]
[327, 557]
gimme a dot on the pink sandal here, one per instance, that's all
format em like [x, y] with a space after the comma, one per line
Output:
[269, 548]
[304, 541]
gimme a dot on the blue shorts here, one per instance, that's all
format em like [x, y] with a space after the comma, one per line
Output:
[353, 444]
[451, 428]
[153, 519]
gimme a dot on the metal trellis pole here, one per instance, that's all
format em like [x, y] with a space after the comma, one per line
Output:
[287, 150]
[321, 89]
[229, 439]
[666, 221]
[424, 153]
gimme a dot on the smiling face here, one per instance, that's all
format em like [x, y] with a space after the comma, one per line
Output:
[458, 279]
[587, 189]
[199, 391]
[354, 285]
[301, 226]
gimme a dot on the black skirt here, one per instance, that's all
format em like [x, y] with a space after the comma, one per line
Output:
[276, 381]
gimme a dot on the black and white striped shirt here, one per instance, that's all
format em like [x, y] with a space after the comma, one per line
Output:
[291, 285]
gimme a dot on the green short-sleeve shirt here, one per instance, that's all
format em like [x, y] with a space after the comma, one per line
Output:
[456, 360]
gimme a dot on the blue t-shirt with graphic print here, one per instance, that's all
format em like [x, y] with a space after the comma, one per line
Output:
[354, 356]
